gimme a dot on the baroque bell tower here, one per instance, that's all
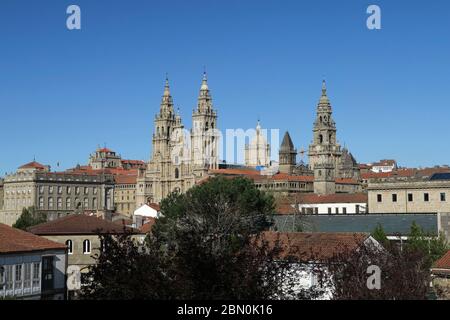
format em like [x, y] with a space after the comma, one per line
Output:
[324, 149]
[204, 137]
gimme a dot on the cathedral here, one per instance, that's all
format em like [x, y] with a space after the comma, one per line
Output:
[179, 158]
[327, 160]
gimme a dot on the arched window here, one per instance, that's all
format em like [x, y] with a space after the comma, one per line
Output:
[320, 119]
[330, 138]
[206, 126]
[177, 173]
[320, 138]
[69, 245]
[86, 246]
[94, 203]
[50, 203]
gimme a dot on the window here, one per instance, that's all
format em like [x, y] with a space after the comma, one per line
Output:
[357, 208]
[41, 189]
[177, 173]
[69, 245]
[86, 203]
[442, 196]
[41, 203]
[94, 190]
[36, 275]
[426, 197]
[50, 203]
[47, 273]
[59, 203]
[344, 210]
[86, 246]
[86, 190]
[410, 197]
[316, 210]
[379, 198]
[27, 276]
[77, 190]
[337, 210]
[394, 197]
[9, 277]
[60, 190]
[320, 139]
[77, 203]
[329, 210]
[69, 190]
[94, 203]
[68, 203]
[50, 189]
[18, 277]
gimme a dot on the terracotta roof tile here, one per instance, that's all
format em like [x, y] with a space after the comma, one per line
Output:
[78, 224]
[31, 165]
[147, 226]
[316, 245]
[15, 240]
[444, 262]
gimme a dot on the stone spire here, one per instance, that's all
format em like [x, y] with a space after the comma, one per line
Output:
[287, 155]
[204, 99]
[166, 108]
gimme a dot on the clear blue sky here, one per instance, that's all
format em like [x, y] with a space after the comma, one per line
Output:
[64, 92]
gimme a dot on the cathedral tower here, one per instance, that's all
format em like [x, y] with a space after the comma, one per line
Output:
[287, 155]
[204, 137]
[324, 148]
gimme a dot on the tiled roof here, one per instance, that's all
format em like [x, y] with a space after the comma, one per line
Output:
[104, 150]
[125, 179]
[78, 224]
[154, 206]
[312, 198]
[15, 240]
[316, 245]
[133, 161]
[405, 173]
[33, 165]
[346, 181]
[235, 171]
[444, 262]
[147, 226]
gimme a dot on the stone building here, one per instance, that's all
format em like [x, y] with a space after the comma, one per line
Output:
[2, 195]
[104, 158]
[125, 194]
[179, 159]
[326, 158]
[257, 152]
[410, 194]
[287, 155]
[55, 194]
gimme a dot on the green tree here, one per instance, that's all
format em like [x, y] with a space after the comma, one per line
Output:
[209, 244]
[379, 235]
[29, 217]
[432, 246]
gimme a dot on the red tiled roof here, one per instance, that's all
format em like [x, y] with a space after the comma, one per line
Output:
[346, 181]
[154, 206]
[235, 171]
[133, 161]
[283, 177]
[307, 246]
[79, 224]
[125, 179]
[15, 240]
[311, 198]
[444, 262]
[147, 226]
[33, 165]
[104, 150]
[405, 173]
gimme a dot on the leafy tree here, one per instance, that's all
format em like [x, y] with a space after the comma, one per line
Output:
[432, 247]
[29, 217]
[404, 274]
[379, 235]
[207, 245]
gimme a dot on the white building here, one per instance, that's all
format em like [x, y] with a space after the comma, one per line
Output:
[145, 212]
[384, 166]
[338, 203]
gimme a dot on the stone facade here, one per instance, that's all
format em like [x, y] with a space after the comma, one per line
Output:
[287, 155]
[125, 194]
[326, 158]
[55, 194]
[179, 159]
[409, 195]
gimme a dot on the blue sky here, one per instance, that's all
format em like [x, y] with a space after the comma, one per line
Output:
[64, 92]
